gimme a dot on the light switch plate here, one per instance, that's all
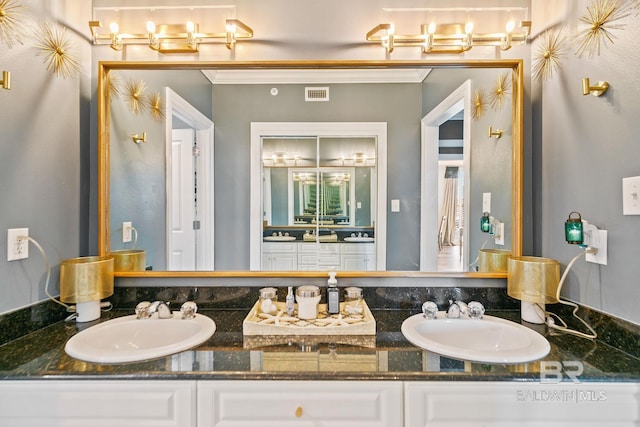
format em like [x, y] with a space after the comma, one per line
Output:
[395, 205]
[631, 195]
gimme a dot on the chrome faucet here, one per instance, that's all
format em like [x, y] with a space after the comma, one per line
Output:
[145, 309]
[455, 309]
[473, 310]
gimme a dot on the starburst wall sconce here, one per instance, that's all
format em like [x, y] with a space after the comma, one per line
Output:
[168, 29]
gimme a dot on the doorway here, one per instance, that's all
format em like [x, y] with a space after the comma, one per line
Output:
[443, 245]
[189, 186]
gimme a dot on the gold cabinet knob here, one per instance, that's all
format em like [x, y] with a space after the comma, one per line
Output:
[298, 411]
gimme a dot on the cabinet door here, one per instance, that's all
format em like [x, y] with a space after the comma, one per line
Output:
[358, 257]
[502, 404]
[299, 403]
[279, 256]
[97, 403]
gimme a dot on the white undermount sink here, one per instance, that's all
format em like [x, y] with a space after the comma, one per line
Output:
[279, 238]
[358, 239]
[128, 339]
[486, 340]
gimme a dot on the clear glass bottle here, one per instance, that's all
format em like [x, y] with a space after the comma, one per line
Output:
[268, 299]
[353, 300]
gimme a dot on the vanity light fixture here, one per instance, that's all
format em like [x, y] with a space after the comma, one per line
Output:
[5, 83]
[139, 138]
[171, 38]
[450, 38]
[596, 90]
[497, 134]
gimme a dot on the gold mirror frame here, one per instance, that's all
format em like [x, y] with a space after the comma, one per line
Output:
[105, 67]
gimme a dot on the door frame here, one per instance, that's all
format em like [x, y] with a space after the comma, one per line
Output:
[204, 127]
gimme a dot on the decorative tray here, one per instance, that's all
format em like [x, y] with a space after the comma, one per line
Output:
[279, 323]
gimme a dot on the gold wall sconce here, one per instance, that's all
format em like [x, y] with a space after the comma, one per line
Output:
[596, 90]
[497, 134]
[138, 139]
[5, 83]
[170, 38]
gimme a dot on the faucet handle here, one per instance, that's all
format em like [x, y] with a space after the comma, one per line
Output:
[475, 310]
[189, 310]
[142, 310]
[430, 310]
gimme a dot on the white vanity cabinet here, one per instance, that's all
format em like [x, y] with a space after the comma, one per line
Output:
[501, 404]
[97, 403]
[319, 256]
[299, 403]
[279, 256]
[358, 256]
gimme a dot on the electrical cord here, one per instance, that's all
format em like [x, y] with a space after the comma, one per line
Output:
[105, 306]
[69, 309]
[563, 326]
[478, 257]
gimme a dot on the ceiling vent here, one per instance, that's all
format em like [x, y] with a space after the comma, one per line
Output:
[316, 94]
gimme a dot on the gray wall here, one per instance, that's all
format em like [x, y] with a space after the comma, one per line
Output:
[44, 155]
[584, 146]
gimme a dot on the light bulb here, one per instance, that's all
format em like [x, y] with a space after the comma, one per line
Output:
[114, 28]
[432, 28]
[510, 26]
[468, 28]
[190, 27]
[151, 27]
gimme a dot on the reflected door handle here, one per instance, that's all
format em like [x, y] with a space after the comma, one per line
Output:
[298, 411]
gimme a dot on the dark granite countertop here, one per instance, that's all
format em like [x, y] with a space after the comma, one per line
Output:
[230, 355]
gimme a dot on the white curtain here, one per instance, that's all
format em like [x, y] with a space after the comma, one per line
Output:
[448, 214]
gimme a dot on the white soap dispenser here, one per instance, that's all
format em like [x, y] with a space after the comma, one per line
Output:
[333, 294]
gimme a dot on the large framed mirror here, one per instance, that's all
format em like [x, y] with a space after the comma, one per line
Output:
[404, 199]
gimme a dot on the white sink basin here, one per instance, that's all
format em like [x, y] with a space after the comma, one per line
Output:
[358, 239]
[279, 238]
[127, 339]
[486, 340]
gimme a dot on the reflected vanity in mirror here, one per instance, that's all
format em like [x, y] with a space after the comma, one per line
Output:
[238, 163]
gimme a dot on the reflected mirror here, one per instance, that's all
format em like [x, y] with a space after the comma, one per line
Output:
[202, 195]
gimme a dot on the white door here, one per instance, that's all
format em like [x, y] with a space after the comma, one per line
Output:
[182, 250]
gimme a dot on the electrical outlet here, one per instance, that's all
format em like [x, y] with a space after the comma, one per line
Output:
[17, 244]
[486, 202]
[596, 239]
[499, 233]
[631, 195]
[126, 232]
